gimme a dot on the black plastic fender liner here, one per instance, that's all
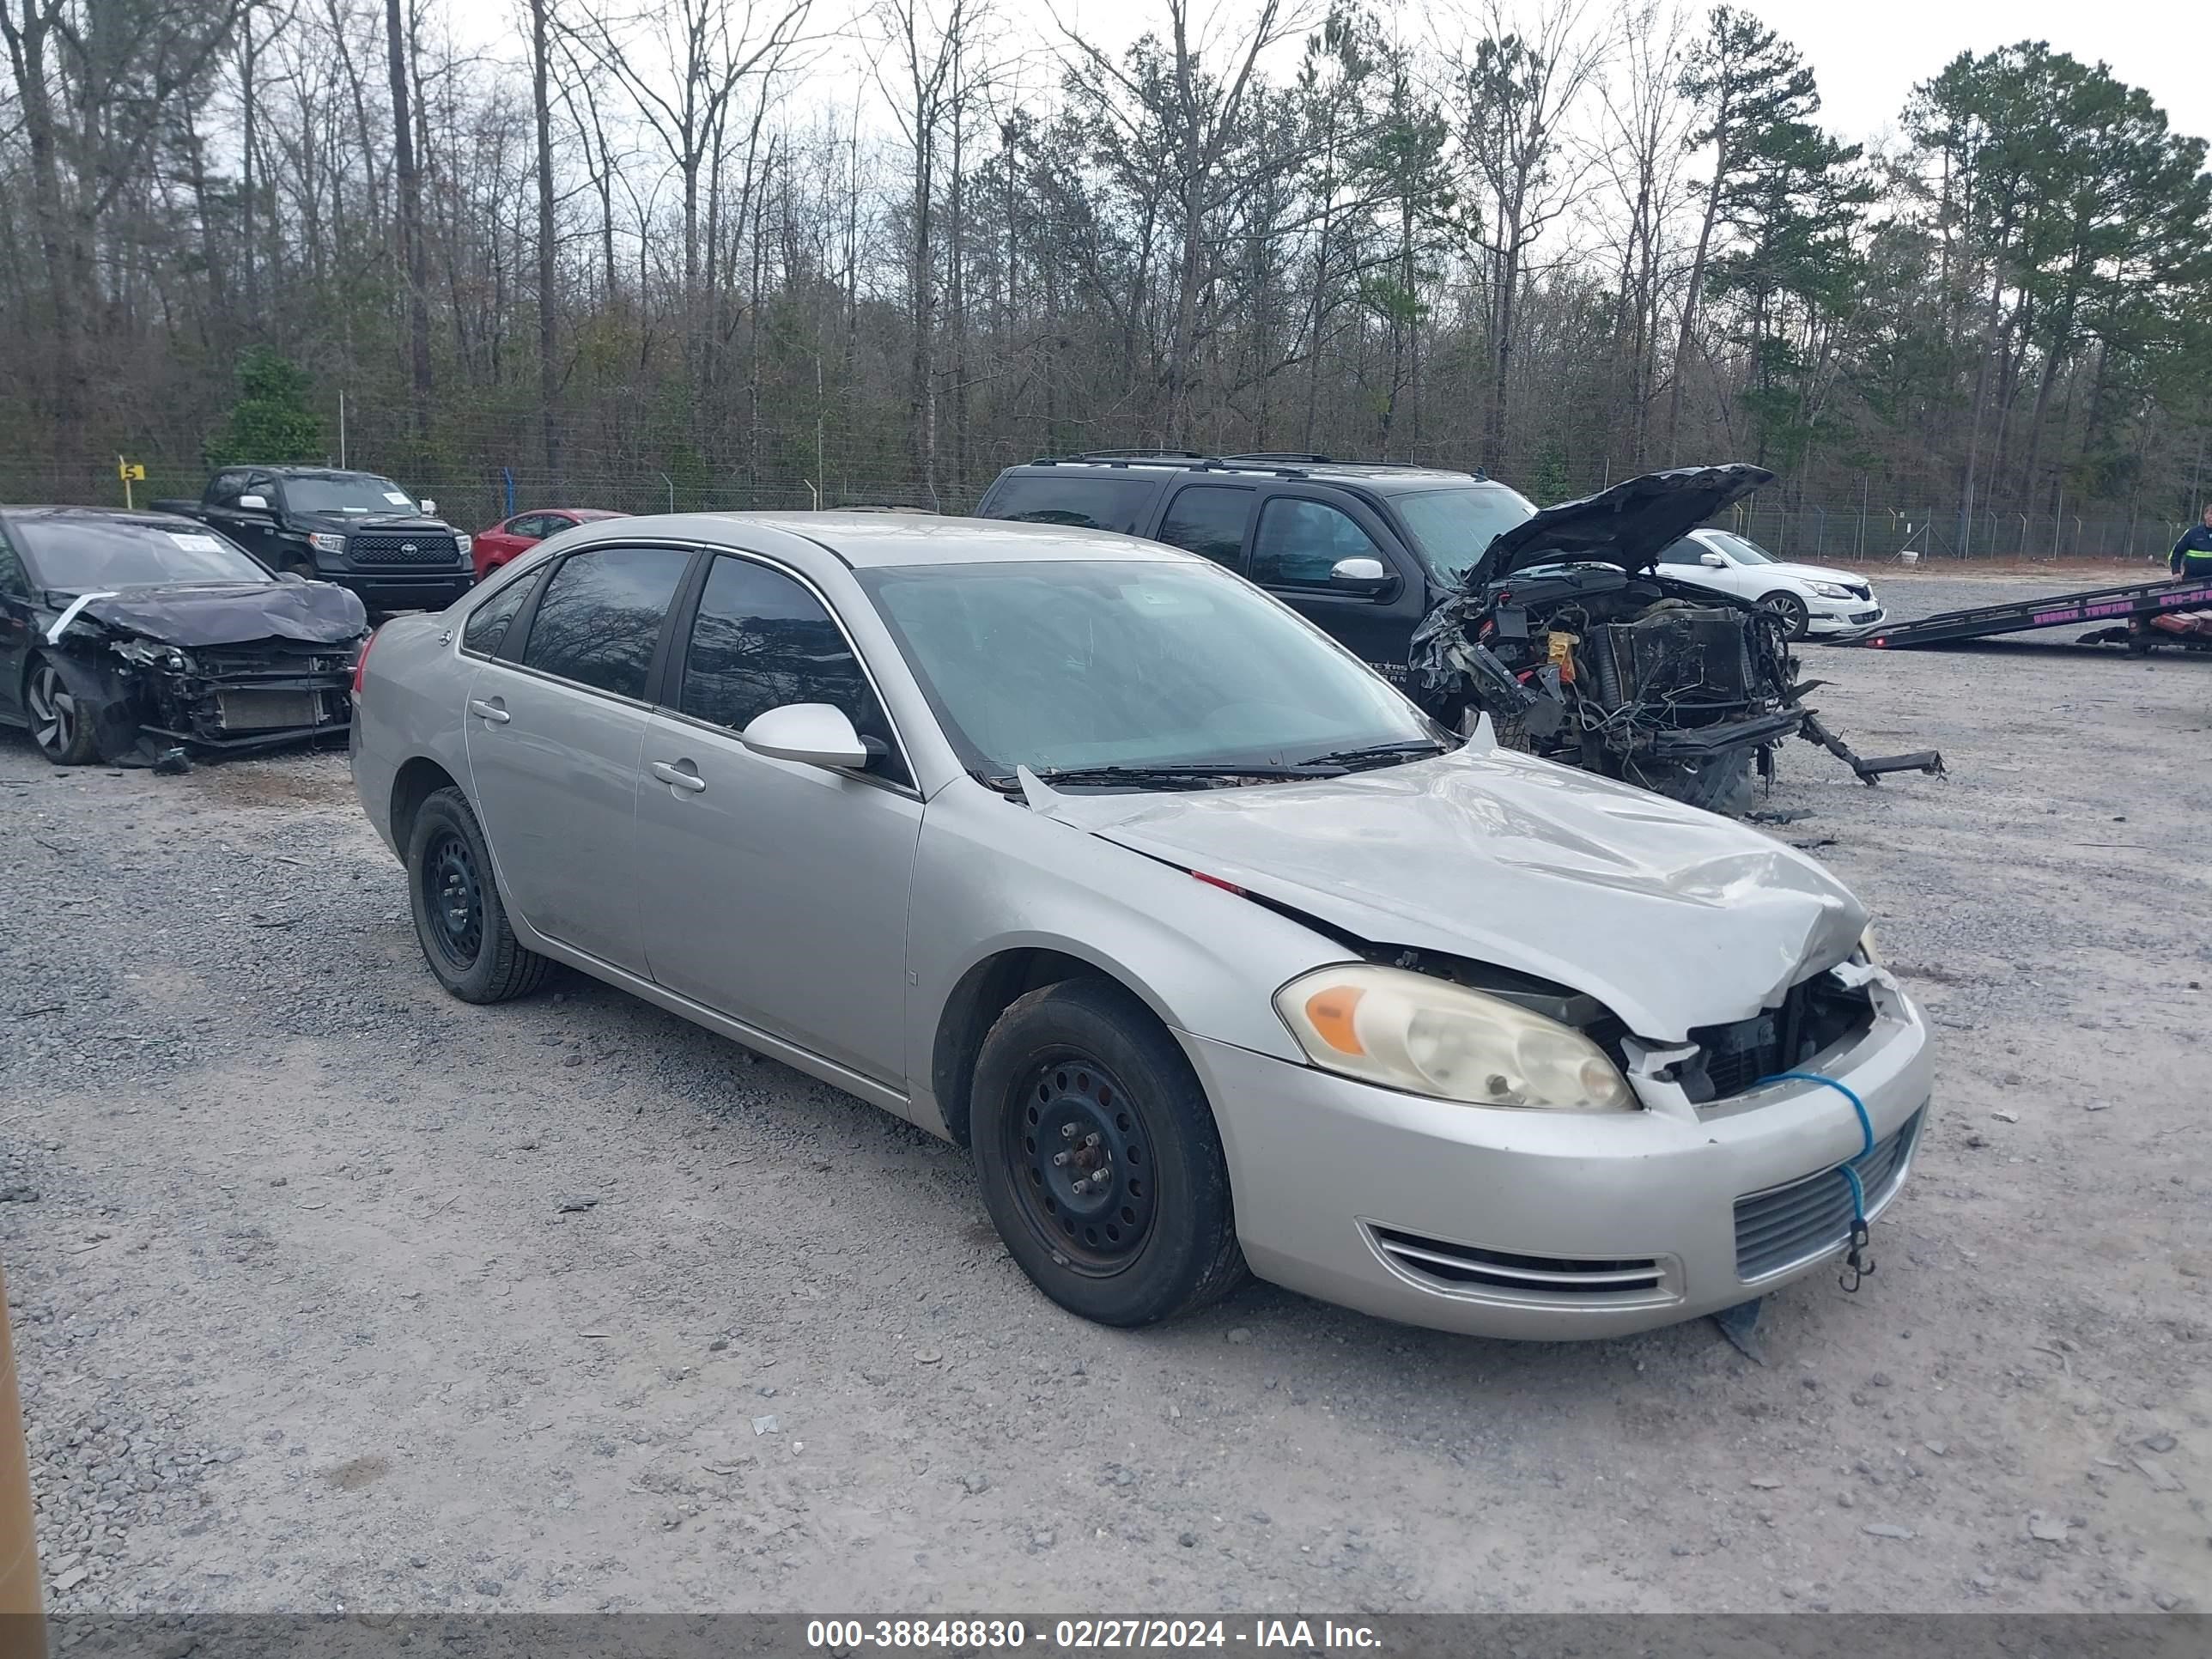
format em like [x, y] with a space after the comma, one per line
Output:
[115, 702]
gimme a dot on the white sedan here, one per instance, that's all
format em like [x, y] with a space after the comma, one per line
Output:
[1811, 598]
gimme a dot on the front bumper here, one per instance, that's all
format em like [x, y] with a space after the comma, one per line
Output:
[1842, 616]
[1597, 1225]
[404, 590]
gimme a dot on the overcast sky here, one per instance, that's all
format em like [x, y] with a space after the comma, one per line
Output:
[1868, 54]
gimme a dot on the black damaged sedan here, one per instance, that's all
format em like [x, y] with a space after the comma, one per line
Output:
[124, 636]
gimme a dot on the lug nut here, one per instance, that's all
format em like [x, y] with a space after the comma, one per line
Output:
[1081, 1187]
[1067, 1131]
[1060, 1158]
[1091, 1140]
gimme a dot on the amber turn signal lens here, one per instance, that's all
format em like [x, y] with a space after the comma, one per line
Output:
[1331, 1012]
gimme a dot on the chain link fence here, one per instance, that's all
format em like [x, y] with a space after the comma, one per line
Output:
[1863, 530]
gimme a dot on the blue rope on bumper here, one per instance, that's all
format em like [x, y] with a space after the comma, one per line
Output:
[1857, 1263]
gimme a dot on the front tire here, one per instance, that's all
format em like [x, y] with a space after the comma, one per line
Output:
[1791, 611]
[1098, 1157]
[62, 724]
[459, 920]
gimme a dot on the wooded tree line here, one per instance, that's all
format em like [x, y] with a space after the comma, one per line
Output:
[760, 250]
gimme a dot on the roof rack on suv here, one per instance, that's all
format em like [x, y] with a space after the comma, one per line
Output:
[1279, 464]
[1124, 457]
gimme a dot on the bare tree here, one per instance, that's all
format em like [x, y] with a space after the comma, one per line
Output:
[1515, 89]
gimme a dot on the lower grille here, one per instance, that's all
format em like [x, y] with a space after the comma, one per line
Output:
[1784, 1226]
[1448, 1266]
[1866, 616]
[401, 547]
[268, 711]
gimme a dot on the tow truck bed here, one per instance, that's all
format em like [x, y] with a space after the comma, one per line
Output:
[2132, 606]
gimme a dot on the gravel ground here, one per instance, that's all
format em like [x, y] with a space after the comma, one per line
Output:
[330, 1291]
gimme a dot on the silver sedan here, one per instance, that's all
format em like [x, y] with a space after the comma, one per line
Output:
[1084, 853]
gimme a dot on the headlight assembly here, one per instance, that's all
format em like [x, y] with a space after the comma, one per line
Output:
[1830, 590]
[326, 541]
[463, 541]
[1429, 1037]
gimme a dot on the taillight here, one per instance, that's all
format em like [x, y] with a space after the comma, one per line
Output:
[359, 664]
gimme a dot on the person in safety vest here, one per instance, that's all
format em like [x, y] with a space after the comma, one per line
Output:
[2192, 554]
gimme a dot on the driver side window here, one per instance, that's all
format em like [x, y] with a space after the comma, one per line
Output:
[1300, 541]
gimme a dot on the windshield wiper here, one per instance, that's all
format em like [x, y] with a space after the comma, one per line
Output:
[1193, 776]
[1377, 754]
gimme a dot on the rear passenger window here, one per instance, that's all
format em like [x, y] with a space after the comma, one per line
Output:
[488, 624]
[762, 640]
[1300, 541]
[1088, 504]
[601, 616]
[1208, 519]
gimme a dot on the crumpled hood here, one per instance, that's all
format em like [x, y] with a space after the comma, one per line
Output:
[1672, 917]
[233, 613]
[1626, 525]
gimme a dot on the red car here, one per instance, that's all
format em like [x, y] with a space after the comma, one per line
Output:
[496, 546]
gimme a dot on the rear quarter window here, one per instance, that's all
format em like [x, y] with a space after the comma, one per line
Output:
[1086, 503]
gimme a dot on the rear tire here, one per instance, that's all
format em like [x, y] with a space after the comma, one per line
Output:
[459, 920]
[1099, 1159]
[62, 724]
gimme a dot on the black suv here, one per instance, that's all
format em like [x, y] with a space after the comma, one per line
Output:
[356, 529]
[1365, 549]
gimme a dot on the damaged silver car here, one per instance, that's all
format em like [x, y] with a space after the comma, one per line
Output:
[136, 637]
[1217, 952]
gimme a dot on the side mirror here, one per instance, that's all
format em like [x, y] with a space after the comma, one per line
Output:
[253, 503]
[812, 733]
[430, 508]
[292, 576]
[1359, 576]
[1712, 561]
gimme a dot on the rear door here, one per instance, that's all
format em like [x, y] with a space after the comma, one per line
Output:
[555, 720]
[772, 891]
[1301, 536]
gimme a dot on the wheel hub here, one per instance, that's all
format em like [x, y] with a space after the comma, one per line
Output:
[455, 899]
[1084, 1166]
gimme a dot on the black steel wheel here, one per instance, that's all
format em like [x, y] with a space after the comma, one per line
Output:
[1081, 1148]
[456, 899]
[61, 724]
[459, 918]
[1099, 1159]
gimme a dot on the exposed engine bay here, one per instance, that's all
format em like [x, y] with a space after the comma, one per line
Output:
[1565, 636]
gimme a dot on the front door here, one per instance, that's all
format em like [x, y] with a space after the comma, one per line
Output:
[1299, 539]
[776, 892]
[556, 725]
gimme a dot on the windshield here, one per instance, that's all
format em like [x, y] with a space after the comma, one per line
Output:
[1451, 527]
[1067, 665]
[85, 555]
[1742, 551]
[355, 492]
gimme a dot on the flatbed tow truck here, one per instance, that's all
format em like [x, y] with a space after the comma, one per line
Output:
[2139, 615]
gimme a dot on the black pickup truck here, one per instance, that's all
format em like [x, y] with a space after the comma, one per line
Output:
[356, 529]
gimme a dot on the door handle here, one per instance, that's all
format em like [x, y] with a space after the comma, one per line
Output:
[680, 775]
[491, 711]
